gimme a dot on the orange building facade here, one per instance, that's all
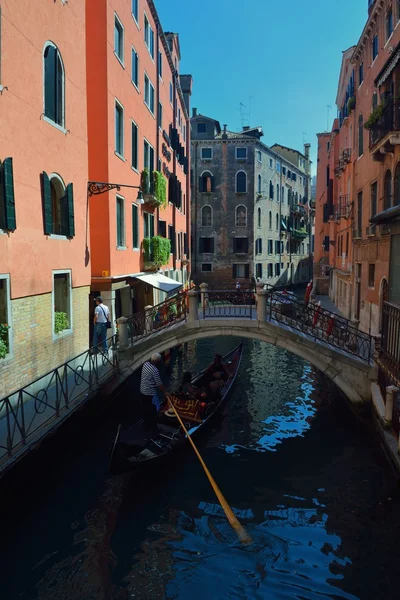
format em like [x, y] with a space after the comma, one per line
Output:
[139, 132]
[44, 279]
[368, 185]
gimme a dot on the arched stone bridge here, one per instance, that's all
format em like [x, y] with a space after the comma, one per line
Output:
[309, 334]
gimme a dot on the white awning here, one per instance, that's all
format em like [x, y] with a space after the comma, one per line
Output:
[160, 282]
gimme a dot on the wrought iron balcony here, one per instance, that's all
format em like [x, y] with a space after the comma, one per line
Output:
[342, 210]
[384, 133]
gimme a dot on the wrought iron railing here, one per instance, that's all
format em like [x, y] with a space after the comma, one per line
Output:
[342, 210]
[228, 303]
[320, 324]
[389, 350]
[154, 318]
[30, 413]
[389, 121]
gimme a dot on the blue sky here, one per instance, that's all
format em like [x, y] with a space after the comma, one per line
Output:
[285, 56]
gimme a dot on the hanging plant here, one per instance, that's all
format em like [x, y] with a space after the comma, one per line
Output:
[160, 189]
[145, 181]
[375, 116]
[157, 250]
[351, 104]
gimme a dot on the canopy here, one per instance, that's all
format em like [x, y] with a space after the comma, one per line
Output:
[160, 282]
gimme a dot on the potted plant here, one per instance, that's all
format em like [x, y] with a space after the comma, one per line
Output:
[351, 104]
[375, 116]
[60, 322]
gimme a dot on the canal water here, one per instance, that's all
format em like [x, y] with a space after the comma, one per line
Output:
[306, 478]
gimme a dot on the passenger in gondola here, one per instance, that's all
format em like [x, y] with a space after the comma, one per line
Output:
[187, 387]
[217, 369]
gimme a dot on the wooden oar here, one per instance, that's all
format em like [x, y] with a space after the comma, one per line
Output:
[233, 521]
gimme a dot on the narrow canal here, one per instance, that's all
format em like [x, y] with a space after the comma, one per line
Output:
[310, 483]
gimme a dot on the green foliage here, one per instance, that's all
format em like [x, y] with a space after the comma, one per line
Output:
[3, 339]
[157, 250]
[60, 322]
[351, 103]
[160, 188]
[375, 116]
[145, 181]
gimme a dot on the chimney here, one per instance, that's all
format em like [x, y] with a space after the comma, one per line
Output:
[307, 151]
[224, 134]
[194, 112]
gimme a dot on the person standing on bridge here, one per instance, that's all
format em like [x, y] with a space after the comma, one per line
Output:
[150, 385]
[101, 320]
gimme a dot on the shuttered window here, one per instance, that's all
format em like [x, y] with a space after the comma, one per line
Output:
[53, 85]
[206, 245]
[135, 226]
[58, 207]
[7, 199]
[240, 271]
[240, 245]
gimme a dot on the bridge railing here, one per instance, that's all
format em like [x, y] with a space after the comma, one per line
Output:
[28, 414]
[319, 323]
[155, 318]
[389, 348]
[228, 303]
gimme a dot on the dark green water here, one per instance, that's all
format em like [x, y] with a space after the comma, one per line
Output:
[308, 481]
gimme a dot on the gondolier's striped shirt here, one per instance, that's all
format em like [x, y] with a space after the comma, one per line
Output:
[150, 379]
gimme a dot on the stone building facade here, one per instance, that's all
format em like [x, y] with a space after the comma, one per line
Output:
[250, 209]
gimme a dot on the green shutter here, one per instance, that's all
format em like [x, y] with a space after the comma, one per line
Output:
[71, 215]
[8, 191]
[234, 271]
[47, 205]
[64, 224]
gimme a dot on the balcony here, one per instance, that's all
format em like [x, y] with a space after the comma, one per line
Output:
[298, 209]
[156, 252]
[384, 128]
[343, 161]
[342, 210]
[371, 230]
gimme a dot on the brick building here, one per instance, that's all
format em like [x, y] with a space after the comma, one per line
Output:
[250, 209]
[44, 279]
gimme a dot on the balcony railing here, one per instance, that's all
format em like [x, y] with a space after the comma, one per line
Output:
[371, 230]
[389, 351]
[342, 210]
[389, 121]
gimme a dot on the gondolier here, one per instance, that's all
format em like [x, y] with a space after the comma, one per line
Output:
[150, 384]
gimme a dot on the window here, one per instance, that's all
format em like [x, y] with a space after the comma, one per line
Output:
[283, 170]
[62, 314]
[360, 73]
[171, 237]
[7, 198]
[206, 245]
[241, 182]
[58, 206]
[259, 246]
[160, 64]
[135, 226]
[135, 10]
[259, 184]
[5, 315]
[241, 153]
[54, 108]
[270, 270]
[201, 127]
[271, 190]
[206, 216]
[374, 47]
[240, 245]
[134, 146]
[289, 174]
[241, 216]
[277, 222]
[206, 267]
[389, 23]
[371, 275]
[118, 39]
[206, 153]
[270, 220]
[278, 167]
[179, 117]
[259, 217]
[360, 135]
[259, 155]
[240, 271]
[148, 93]
[277, 192]
[259, 271]
[135, 68]
[282, 194]
[277, 269]
[160, 114]
[148, 222]
[162, 228]
[374, 198]
[270, 246]
[387, 195]
[359, 212]
[148, 156]
[277, 246]
[171, 93]
[206, 182]
[148, 36]
[120, 222]
[271, 163]
[119, 129]
[294, 177]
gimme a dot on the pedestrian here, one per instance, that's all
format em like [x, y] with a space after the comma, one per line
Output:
[238, 286]
[100, 320]
[150, 385]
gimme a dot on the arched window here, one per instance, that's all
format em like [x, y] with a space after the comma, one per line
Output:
[259, 189]
[277, 192]
[289, 197]
[241, 182]
[270, 220]
[206, 182]
[206, 216]
[277, 221]
[241, 216]
[259, 217]
[282, 194]
[387, 199]
[360, 135]
[53, 85]
[397, 185]
[271, 190]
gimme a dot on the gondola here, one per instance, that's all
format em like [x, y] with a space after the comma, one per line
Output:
[140, 446]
